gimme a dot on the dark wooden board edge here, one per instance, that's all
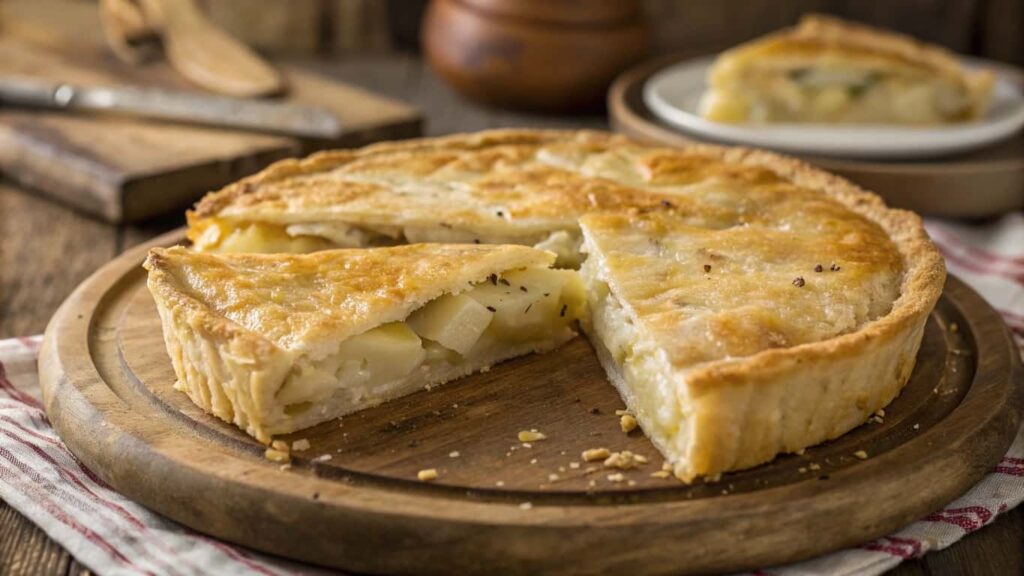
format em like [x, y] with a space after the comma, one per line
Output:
[248, 501]
[995, 185]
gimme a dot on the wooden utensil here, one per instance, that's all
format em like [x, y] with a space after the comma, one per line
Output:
[200, 51]
[537, 55]
[352, 501]
[129, 169]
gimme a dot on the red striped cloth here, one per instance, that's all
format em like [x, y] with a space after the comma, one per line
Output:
[112, 535]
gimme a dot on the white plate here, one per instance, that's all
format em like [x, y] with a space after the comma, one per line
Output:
[673, 95]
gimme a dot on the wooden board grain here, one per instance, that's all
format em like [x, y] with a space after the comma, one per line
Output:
[124, 170]
[107, 386]
[978, 184]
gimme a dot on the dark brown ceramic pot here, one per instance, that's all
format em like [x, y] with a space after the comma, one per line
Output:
[544, 55]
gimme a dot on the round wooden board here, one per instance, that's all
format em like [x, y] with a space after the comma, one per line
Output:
[107, 386]
[983, 183]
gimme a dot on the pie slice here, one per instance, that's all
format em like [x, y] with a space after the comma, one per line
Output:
[499, 187]
[733, 345]
[826, 70]
[277, 343]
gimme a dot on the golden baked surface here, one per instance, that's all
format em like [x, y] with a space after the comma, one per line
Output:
[776, 281]
[300, 301]
[495, 187]
[828, 70]
[743, 303]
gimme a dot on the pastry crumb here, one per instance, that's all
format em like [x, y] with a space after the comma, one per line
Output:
[592, 483]
[661, 474]
[284, 467]
[531, 436]
[861, 454]
[802, 470]
[499, 483]
[574, 465]
[454, 454]
[323, 458]
[617, 477]
[622, 460]
[800, 452]
[533, 461]
[526, 506]
[627, 422]
[623, 412]
[427, 474]
[275, 455]
[527, 445]
[595, 454]
[814, 466]
[917, 426]
[552, 477]
[300, 445]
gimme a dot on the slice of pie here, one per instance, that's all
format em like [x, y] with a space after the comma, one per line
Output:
[277, 343]
[500, 187]
[826, 70]
[732, 345]
[745, 304]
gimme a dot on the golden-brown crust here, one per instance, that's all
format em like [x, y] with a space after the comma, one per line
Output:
[740, 405]
[716, 188]
[298, 302]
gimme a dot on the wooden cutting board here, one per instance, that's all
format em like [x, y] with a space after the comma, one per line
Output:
[352, 501]
[126, 169]
[979, 184]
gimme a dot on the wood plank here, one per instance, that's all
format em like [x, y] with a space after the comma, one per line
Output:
[47, 250]
[25, 550]
[128, 169]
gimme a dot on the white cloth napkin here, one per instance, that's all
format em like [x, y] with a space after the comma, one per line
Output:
[110, 534]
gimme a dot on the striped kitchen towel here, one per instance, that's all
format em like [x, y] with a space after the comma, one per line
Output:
[112, 535]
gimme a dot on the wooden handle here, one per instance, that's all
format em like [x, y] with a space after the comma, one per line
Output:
[206, 55]
[126, 31]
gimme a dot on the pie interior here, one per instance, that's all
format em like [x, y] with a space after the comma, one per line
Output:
[826, 70]
[277, 343]
[744, 304]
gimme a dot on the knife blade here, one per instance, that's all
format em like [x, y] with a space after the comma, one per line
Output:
[176, 106]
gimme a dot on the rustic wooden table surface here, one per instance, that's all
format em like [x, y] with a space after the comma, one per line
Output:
[46, 250]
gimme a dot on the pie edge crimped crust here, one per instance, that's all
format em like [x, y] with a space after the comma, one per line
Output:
[203, 344]
[856, 373]
[877, 359]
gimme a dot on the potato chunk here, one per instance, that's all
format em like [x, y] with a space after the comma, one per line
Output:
[383, 354]
[453, 321]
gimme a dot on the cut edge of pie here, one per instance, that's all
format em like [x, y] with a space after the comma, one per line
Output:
[829, 70]
[386, 336]
[737, 413]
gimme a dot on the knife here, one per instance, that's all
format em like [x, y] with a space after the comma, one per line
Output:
[291, 119]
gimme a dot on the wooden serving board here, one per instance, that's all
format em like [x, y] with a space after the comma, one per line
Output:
[125, 170]
[107, 386]
[979, 184]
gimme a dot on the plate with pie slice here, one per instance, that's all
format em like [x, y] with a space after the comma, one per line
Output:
[831, 88]
[741, 347]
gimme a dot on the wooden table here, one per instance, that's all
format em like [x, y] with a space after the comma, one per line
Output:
[46, 250]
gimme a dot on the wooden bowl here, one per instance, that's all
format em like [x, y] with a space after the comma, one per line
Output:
[534, 54]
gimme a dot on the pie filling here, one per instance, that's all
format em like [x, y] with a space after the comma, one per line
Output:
[265, 238]
[844, 94]
[638, 368]
[519, 312]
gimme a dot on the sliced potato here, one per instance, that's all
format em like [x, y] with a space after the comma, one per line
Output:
[453, 321]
